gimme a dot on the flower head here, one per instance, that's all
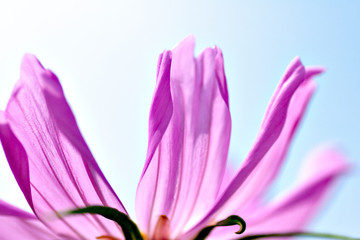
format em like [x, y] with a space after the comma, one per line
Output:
[185, 184]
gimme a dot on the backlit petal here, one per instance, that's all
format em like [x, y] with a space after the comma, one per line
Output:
[270, 131]
[293, 210]
[18, 224]
[49, 157]
[186, 167]
[266, 171]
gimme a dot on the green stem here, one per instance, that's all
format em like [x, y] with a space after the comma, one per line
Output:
[297, 234]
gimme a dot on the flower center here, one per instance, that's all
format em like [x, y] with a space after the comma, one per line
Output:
[106, 237]
[162, 228]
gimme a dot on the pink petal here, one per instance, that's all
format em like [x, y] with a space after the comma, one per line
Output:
[49, 157]
[160, 115]
[266, 171]
[18, 224]
[187, 155]
[293, 210]
[270, 131]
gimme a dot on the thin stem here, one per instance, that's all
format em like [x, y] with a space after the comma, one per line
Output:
[295, 234]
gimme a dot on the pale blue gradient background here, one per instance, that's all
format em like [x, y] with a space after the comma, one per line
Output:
[105, 53]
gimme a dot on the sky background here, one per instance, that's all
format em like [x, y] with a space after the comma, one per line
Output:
[105, 54]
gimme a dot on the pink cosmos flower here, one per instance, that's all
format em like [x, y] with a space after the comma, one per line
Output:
[185, 185]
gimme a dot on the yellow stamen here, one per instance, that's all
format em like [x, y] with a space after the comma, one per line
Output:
[106, 237]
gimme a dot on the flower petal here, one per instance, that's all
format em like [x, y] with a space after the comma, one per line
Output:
[18, 224]
[270, 131]
[49, 157]
[293, 210]
[186, 167]
[160, 115]
[257, 183]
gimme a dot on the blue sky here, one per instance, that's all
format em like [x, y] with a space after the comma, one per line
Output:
[105, 53]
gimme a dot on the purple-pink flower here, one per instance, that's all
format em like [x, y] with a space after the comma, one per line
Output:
[185, 184]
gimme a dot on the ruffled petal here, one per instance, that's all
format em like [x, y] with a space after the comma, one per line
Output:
[49, 157]
[18, 224]
[183, 172]
[293, 210]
